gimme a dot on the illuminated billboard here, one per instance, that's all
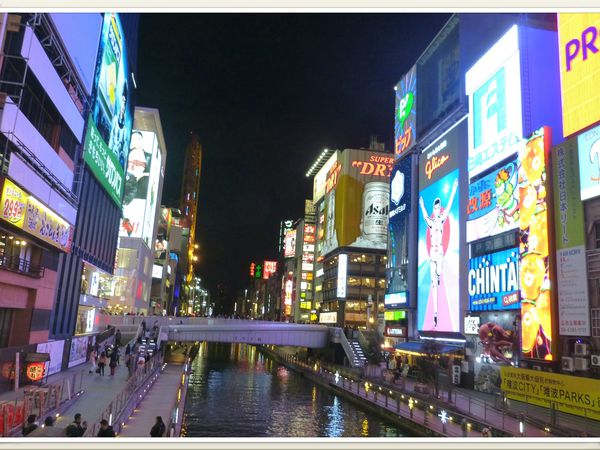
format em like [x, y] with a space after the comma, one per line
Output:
[106, 144]
[320, 178]
[289, 246]
[589, 163]
[493, 85]
[493, 205]
[26, 212]
[269, 268]
[493, 281]
[571, 268]
[357, 201]
[400, 207]
[405, 117]
[534, 277]
[141, 186]
[439, 232]
[342, 275]
[579, 70]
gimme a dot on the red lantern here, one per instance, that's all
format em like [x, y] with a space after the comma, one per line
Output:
[35, 371]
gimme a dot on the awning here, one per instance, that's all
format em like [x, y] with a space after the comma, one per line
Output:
[423, 347]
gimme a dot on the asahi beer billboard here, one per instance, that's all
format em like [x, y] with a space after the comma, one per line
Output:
[106, 144]
[357, 201]
[439, 232]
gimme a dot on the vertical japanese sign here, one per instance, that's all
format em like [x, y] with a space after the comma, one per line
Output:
[571, 270]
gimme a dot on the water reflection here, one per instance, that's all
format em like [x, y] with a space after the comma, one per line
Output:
[235, 391]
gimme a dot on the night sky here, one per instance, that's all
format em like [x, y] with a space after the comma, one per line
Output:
[266, 93]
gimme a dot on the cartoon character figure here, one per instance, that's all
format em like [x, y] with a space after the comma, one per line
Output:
[435, 222]
[508, 207]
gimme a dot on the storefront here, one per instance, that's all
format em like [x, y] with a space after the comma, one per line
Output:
[96, 287]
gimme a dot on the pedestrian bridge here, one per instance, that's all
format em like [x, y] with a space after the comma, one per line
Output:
[254, 332]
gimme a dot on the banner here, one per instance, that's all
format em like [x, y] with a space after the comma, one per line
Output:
[571, 270]
[570, 394]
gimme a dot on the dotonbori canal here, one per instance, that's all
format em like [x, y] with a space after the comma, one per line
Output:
[236, 391]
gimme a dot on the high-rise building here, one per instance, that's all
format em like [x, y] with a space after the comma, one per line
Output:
[135, 267]
[46, 75]
[85, 275]
[190, 189]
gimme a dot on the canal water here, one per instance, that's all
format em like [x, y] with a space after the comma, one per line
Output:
[235, 391]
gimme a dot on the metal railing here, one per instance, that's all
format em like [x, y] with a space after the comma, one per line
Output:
[22, 266]
[45, 400]
[130, 396]
[175, 418]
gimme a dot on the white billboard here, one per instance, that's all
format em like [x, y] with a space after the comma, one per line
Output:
[141, 186]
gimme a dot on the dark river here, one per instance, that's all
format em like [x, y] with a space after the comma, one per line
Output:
[235, 391]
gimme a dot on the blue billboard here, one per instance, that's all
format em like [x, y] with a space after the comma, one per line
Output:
[400, 207]
[494, 281]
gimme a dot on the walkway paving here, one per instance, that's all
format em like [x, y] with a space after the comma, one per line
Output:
[158, 401]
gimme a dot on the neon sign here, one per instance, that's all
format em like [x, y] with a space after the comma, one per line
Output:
[405, 114]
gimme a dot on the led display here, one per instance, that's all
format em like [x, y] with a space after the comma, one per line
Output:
[493, 85]
[493, 281]
[534, 277]
[579, 70]
[405, 118]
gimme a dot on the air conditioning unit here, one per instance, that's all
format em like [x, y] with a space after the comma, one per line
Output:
[567, 364]
[595, 360]
[581, 349]
[582, 364]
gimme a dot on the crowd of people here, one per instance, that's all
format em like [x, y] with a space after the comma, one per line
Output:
[77, 428]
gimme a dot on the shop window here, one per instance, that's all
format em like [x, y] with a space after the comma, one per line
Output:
[595, 322]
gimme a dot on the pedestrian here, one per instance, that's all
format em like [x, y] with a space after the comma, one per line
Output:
[31, 425]
[485, 432]
[93, 357]
[76, 428]
[105, 429]
[159, 428]
[118, 338]
[144, 326]
[101, 363]
[113, 362]
[127, 349]
[47, 430]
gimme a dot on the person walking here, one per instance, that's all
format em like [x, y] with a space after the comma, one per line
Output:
[105, 429]
[114, 356]
[31, 425]
[93, 357]
[118, 338]
[76, 428]
[102, 363]
[159, 428]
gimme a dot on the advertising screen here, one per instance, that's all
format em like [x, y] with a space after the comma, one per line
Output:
[55, 349]
[493, 206]
[571, 270]
[400, 206]
[589, 163]
[405, 118]
[284, 227]
[439, 233]
[106, 144]
[157, 271]
[78, 351]
[493, 85]
[579, 70]
[289, 247]
[357, 201]
[396, 300]
[494, 281]
[320, 179]
[141, 186]
[534, 277]
[342, 275]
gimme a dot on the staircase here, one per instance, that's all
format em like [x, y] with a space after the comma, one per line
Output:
[358, 356]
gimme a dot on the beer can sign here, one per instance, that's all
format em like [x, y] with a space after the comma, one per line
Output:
[376, 199]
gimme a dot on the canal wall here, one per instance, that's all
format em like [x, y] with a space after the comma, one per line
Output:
[420, 429]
